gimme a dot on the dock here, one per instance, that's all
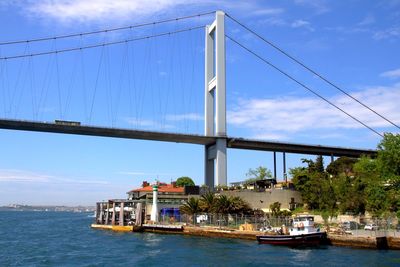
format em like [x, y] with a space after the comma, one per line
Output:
[212, 232]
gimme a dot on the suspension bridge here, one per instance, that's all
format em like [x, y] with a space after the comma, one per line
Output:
[215, 139]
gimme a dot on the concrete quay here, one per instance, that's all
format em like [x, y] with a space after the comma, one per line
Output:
[382, 242]
[371, 242]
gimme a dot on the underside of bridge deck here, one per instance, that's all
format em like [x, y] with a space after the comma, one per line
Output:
[238, 143]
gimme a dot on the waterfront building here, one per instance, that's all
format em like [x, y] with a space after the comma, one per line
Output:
[170, 197]
[138, 207]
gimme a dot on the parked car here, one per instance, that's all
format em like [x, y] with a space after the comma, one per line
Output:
[371, 227]
[350, 225]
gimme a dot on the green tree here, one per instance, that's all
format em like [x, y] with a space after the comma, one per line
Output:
[389, 155]
[342, 165]
[381, 177]
[239, 206]
[184, 180]
[275, 208]
[319, 164]
[377, 202]
[314, 185]
[260, 173]
[223, 204]
[299, 178]
[350, 194]
[353, 185]
[207, 202]
[230, 205]
[388, 162]
[191, 206]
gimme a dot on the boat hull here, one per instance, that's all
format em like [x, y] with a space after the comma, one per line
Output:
[313, 239]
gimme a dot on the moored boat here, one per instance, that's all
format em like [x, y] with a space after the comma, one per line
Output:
[302, 233]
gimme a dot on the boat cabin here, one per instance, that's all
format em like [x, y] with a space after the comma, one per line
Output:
[303, 224]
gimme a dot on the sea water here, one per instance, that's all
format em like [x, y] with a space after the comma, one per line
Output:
[66, 239]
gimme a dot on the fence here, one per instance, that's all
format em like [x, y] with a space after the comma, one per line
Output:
[379, 227]
[232, 221]
[375, 228]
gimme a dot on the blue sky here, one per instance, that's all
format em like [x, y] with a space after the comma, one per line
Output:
[157, 84]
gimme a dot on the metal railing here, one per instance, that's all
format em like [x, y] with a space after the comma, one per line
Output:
[230, 221]
[371, 228]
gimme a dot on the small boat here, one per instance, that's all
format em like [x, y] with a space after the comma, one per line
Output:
[303, 233]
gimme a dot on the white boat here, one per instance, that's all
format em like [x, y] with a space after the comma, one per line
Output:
[302, 233]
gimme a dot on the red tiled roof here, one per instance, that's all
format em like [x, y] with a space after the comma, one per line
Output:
[162, 188]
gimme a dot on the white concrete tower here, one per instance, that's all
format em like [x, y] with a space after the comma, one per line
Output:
[215, 102]
[154, 209]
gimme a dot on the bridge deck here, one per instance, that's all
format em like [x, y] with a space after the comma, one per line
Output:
[238, 143]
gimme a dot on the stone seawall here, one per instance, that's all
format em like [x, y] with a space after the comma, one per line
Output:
[211, 232]
[382, 242]
[336, 240]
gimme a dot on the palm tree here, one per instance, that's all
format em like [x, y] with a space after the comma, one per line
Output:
[207, 202]
[223, 204]
[191, 207]
[239, 206]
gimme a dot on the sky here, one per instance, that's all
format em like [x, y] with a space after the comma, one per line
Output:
[158, 84]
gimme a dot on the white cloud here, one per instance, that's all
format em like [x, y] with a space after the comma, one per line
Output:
[181, 117]
[141, 173]
[79, 11]
[282, 117]
[391, 73]
[268, 11]
[393, 32]
[302, 23]
[368, 20]
[96, 10]
[320, 6]
[273, 21]
[22, 176]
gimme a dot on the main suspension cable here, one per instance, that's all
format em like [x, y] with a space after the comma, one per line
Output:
[102, 44]
[312, 71]
[303, 85]
[105, 30]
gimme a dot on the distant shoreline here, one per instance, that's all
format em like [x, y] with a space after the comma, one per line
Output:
[48, 208]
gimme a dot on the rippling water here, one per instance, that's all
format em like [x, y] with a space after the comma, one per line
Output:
[66, 239]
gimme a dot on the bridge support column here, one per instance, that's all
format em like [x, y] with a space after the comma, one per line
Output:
[284, 167]
[216, 164]
[274, 165]
[209, 167]
[215, 96]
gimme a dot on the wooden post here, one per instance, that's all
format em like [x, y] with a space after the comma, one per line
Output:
[107, 213]
[121, 214]
[113, 215]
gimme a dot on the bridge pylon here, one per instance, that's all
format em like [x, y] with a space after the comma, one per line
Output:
[215, 102]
